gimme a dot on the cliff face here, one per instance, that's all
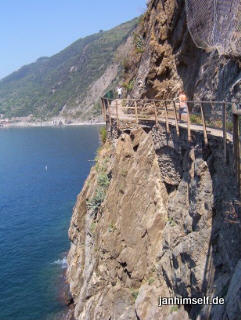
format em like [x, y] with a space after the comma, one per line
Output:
[158, 216]
[166, 225]
[170, 60]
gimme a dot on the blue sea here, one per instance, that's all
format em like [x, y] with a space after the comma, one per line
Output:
[41, 172]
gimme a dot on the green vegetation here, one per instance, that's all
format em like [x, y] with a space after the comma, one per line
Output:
[172, 222]
[103, 135]
[134, 293]
[112, 228]
[96, 201]
[174, 309]
[103, 182]
[195, 119]
[150, 281]
[129, 86]
[153, 269]
[139, 43]
[229, 126]
[93, 227]
[50, 84]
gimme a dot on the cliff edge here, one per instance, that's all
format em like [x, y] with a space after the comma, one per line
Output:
[156, 218]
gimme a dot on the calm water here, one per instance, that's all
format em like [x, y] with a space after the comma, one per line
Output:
[41, 172]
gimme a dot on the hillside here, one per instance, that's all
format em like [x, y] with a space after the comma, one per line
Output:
[59, 84]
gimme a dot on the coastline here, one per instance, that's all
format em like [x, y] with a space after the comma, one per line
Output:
[23, 124]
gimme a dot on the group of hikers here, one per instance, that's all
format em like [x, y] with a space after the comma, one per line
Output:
[182, 98]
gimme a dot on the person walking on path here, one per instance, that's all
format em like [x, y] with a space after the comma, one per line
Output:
[183, 107]
[119, 92]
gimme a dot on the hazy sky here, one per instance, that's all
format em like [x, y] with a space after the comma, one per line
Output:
[30, 29]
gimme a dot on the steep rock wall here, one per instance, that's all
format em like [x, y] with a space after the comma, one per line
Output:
[169, 219]
[168, 225]
[170, 60]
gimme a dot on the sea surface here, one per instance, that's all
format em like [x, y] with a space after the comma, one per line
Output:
[41, 172]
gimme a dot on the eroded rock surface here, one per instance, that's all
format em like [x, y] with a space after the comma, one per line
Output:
[170, 59]
[156, 236]
[169, 221]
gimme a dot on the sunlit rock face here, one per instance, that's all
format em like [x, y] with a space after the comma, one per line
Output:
[150, 237]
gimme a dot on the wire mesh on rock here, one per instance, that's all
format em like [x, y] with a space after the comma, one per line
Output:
[215, 24]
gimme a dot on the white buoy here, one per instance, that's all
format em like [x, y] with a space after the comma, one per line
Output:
[46, 168]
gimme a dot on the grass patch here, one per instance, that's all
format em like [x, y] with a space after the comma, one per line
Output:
[103, 135]
[96, 201]
[103, 182]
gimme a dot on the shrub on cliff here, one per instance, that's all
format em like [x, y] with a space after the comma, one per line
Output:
[103, 182]
[103, 135]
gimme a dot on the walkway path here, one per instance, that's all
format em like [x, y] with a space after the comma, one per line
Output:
[136, 111]
[116, 108]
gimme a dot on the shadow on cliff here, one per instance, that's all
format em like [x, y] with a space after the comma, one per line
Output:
[214, 210]
[197, 71]
[223, 252]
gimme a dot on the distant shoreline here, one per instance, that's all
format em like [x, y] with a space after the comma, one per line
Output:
[23, 124]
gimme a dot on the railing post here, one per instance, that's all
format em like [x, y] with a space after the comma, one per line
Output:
[236, 150]
[103, 108]
[109, 111]
[204, 127]
[156, 118]
[167, 123]
[189, 138]
[117, 115]
[136, 113]
[224, 133]
[175, 113]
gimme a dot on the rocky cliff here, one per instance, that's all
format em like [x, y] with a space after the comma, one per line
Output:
[169, 59]
[158, 216]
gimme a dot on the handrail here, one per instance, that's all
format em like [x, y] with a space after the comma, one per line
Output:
[212, 121]
[176, 100]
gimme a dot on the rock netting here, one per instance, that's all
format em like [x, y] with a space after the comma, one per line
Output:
[170, 60]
